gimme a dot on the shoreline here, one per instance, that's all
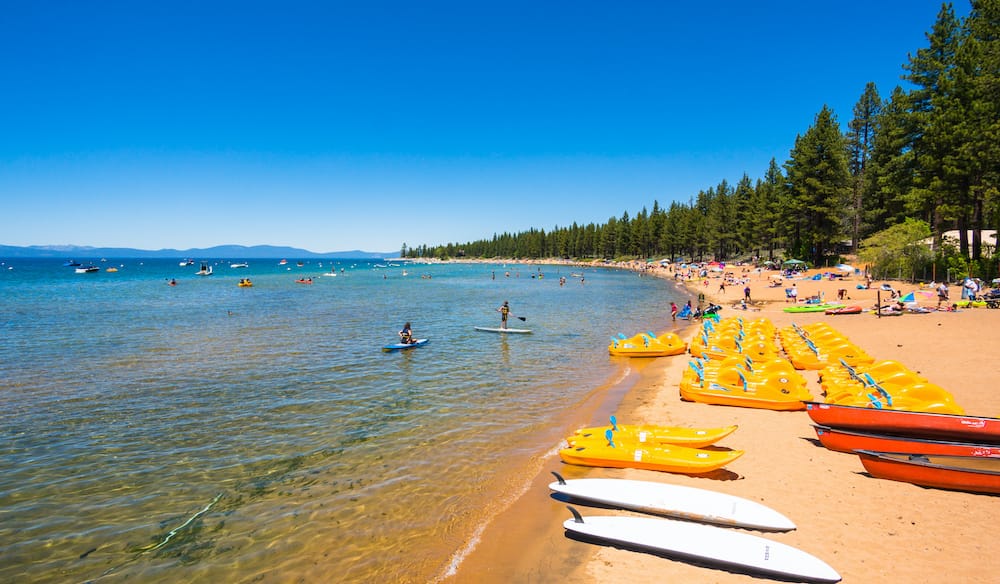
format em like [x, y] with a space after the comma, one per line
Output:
[869, 530]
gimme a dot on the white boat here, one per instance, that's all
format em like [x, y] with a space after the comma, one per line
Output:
[239, 265]
[183, 263]
[206, 270]
[330, 274]
[87, 269]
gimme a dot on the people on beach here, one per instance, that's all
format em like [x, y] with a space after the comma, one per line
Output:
[673, 311]
[504, 311]
[406, 335]
[746, 294]
[793, 294]
[942, 294]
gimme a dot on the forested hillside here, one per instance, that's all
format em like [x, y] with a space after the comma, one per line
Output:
[928, 152]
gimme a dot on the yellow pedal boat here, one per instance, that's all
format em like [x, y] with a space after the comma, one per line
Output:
[666, 458]
[647, 345]
[652, 435]
[764, 396]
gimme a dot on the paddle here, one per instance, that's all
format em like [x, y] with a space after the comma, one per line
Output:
[520, 318]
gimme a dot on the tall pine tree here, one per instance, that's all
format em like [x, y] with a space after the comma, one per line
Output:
[819, 185]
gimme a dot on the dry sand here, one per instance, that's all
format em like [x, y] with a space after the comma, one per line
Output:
[869, 530]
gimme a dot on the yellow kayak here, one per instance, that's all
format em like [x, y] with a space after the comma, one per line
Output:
[667, 457]
[652, 435]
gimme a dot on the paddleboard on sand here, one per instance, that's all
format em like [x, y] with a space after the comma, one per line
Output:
[502, 330]
[703, 544]
[400, 346]
[675, 501]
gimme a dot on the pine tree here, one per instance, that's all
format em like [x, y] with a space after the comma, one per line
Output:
[819, 185]
[860, 139]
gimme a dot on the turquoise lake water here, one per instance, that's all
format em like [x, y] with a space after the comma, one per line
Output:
[207, 432]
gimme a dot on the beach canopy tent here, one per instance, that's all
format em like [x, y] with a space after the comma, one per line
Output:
[793, 263]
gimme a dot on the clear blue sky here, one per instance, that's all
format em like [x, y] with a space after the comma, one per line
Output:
[335, 126]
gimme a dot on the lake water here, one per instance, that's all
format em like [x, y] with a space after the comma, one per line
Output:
[208, 432]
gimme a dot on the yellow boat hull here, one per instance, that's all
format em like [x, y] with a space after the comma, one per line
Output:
[670, 458]
[653, 435]
[761, 398]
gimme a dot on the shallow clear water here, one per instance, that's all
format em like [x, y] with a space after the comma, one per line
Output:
[209, 431]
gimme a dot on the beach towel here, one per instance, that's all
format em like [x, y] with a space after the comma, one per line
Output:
[908, 298]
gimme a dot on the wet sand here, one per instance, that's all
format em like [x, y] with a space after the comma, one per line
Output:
[869, 530]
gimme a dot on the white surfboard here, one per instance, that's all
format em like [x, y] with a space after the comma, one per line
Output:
[675, 501]
[704, 544]
[503, 330]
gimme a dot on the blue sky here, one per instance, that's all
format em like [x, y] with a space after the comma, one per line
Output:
[335, 126]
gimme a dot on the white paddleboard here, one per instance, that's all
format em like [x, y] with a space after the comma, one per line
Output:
[705, 544]
[676, 501]
[502, 330]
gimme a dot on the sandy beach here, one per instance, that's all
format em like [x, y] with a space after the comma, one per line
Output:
[869, 530]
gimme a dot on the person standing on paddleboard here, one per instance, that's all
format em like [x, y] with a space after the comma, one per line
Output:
[504, 311]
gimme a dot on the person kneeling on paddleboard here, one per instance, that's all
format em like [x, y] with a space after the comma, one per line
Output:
[406, 335]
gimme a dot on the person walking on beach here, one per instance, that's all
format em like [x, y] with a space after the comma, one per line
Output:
[673, 311]
[504, 311]
[746, 294]
[942, 293]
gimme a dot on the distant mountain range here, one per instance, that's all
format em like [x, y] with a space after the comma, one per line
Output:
[220, 251]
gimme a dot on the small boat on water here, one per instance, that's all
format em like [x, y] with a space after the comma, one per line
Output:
[975, 474]
[239, 265]
[71, 264]
[87, 269]
[205, 270]
[245, 283]
[184, 263]
[304, 281]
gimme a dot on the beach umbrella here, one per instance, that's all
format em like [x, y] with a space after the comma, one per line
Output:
[793, 263]
[908, 298]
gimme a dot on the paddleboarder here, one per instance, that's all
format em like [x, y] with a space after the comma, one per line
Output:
[504, 311]
[406, 335]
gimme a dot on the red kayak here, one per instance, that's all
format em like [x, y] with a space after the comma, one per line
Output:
[960, 473]
[845, 310]
[976, 429]
[841, 440]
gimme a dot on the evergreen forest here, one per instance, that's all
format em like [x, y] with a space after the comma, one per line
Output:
[911, 165]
